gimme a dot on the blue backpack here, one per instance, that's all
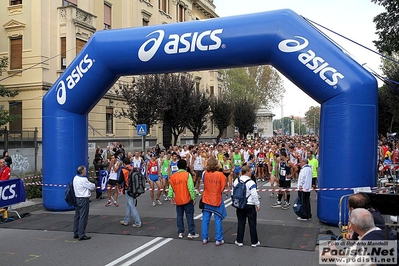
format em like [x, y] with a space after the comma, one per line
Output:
[70, 195]
[239, 198]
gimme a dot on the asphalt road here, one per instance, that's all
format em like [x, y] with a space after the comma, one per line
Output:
[47, 247]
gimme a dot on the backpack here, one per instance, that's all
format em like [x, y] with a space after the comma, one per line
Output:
[239, 198]
[70, 195]
[136, 183]
[298, 207]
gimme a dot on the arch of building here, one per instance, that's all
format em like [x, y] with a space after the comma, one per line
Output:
[346, 91]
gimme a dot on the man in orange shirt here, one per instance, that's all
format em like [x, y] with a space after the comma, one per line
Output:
[182, 193]
[5, 171]
[214, 184]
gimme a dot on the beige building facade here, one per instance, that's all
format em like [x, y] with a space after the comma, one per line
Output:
[42, 37]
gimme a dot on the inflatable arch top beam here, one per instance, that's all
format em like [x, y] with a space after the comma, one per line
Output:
[346, 91]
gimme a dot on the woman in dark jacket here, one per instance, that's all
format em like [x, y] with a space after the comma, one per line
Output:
[7, 158]
[99, 164]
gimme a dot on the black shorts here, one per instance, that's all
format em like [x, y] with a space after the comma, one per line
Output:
[284, 183]
[226, 174]
[314, 181]
[112, 183]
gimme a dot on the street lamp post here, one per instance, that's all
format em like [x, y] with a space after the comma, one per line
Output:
[299, 123]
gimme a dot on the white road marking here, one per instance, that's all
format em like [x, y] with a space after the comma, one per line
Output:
[131, 253]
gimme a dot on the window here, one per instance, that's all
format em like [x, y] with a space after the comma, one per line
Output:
[163, 5]
[16, 109]
[107, 16]
[63, 52]
[212, 91]
[109, 118]
[79, 45]
[180, 13]
[70, 3]
[15, 2]
[16, 53]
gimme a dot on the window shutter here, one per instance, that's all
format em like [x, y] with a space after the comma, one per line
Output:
[107, 15]
[79, 45]
[16, 53]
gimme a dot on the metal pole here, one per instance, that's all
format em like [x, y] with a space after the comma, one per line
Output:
[36, 147]
[143, 143]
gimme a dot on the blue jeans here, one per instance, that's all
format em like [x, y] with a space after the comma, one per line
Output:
[81, 217]
[189, 210]
[131, 210]
[206, 217]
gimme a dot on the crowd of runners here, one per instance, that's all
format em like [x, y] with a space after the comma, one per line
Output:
[275, 160]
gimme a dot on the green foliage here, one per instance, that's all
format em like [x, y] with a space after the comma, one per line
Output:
[312, 117]
[388, 98]
[261, 84]
[387, 26]
[5, 116]
[199, 110]
[33, 190]
[221, 114]
[244, 116]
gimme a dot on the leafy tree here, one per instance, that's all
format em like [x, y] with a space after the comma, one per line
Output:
[177, 102]
[388, 97]
[300, 127]
[261, 84]
[387, 26]
[221, 114]
[244, 116]
[5, 116]
[312, 117]
[199, 115]
[141, 99]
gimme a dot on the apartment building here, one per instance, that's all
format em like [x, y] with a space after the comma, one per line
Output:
[42, 37]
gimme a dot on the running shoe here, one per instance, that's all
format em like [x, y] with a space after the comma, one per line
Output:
[205, 241]
[198, 193]
[238, 244]
[153, 204]
[219, 243]
[136, 226]
[124, 223]
[191, 236]
[272, 195]
[286, 206]
[108, 203]
[165, 198]
[159, 202]
[301, 219]
[181, 235]
[255, 245]
[116, 204]
[276, 205]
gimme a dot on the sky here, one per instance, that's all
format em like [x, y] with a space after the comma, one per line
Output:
[350, 18]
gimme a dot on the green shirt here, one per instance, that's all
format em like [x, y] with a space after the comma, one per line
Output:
[314, 163]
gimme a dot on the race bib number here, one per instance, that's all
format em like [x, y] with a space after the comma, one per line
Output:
[282, 172]
[237, 162]
[154, 169]
[226, 167]
[174, 168]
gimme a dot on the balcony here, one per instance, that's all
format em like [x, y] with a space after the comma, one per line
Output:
[78, 16]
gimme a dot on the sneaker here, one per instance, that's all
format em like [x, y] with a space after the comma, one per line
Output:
[219, 243]
[238, 244]
[108, 203]
[116, 204]
[181, 235]
[276, 205]
[227, 196]
[272, 195]
[259, 196]
[124, 223]
[165, 198]
[204, 241]
[191, 236]
[136, 226]
[255, 245]
[301, 219]
[286, 206]
[153, 204]
[198, 193]
[159, 202]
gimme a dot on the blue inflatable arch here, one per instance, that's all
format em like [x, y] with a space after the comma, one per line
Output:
[346, 91]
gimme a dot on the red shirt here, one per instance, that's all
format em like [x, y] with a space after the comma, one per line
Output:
[152, 167]
[5, 173]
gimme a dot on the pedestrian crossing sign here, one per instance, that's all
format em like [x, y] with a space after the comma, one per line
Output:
[142, 129]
